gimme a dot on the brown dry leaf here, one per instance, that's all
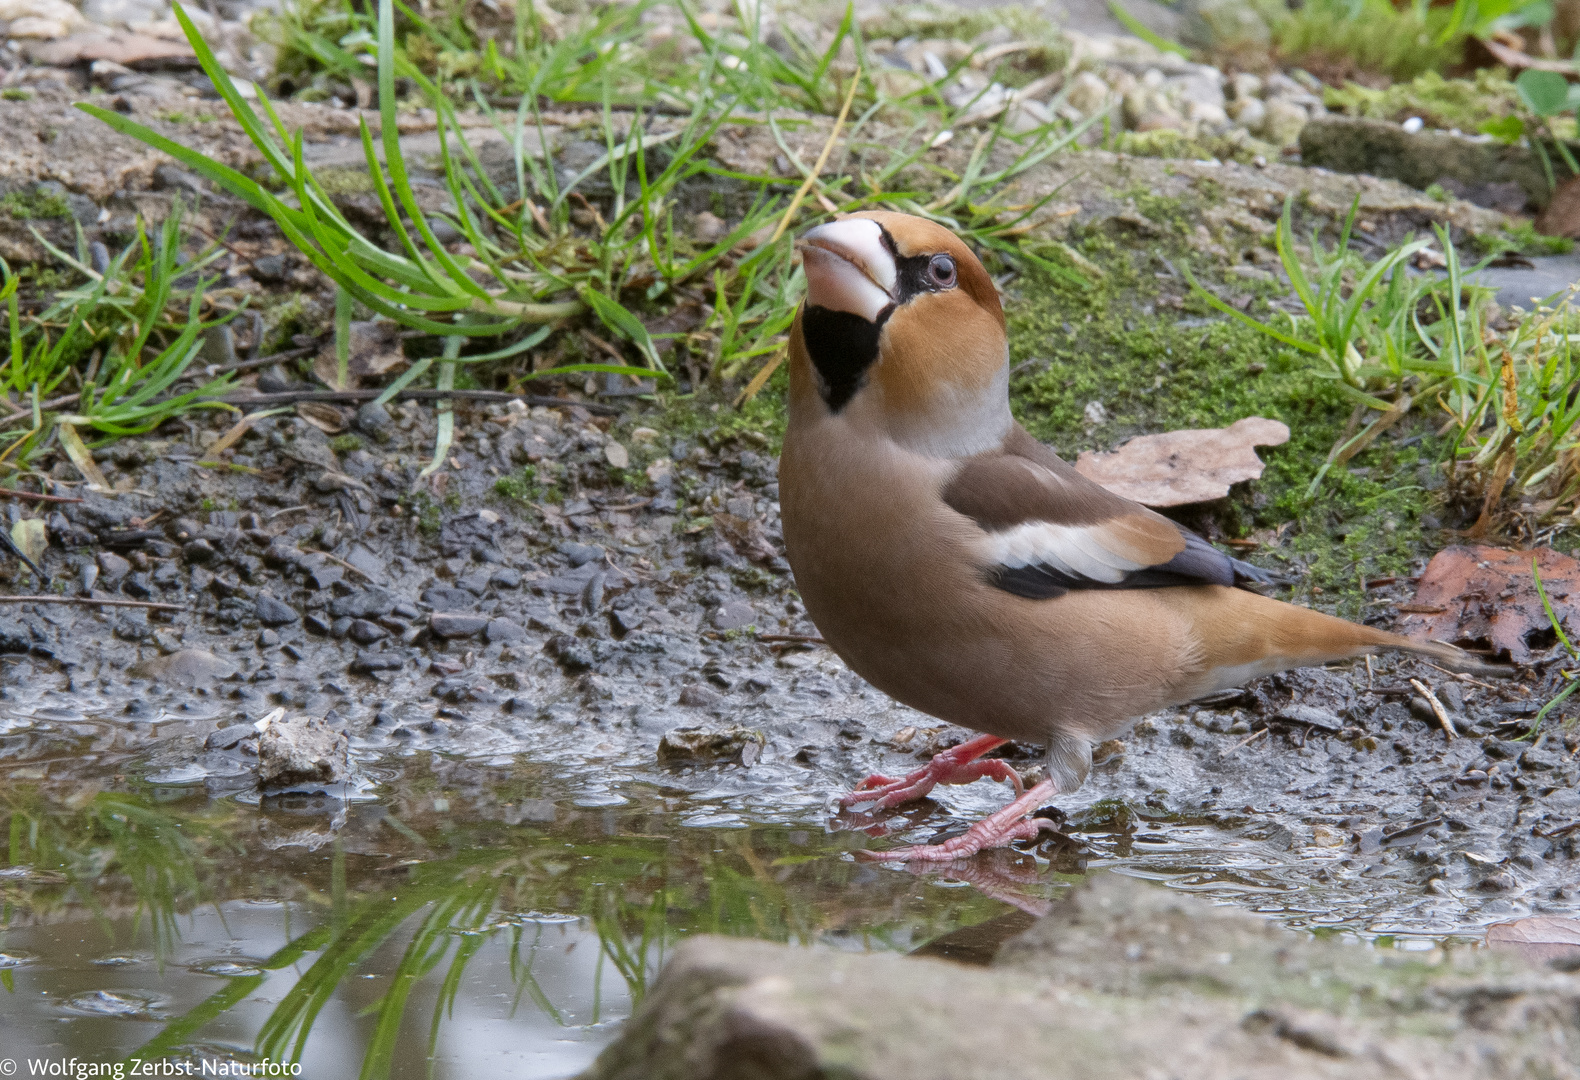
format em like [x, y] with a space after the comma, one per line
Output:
[746, 536]
[1562, 215]
[374, 350]
[326, 418]
[1179, 467]
[1541, 939]
[1477, 594]
[234, 433]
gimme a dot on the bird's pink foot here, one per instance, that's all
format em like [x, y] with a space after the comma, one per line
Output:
[997, 830]
[958, 765]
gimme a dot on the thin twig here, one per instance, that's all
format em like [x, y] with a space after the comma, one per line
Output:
[802, 639]
[1437, 708]
[37, 497]
[89, 601]
[52, 403]
[1249, 739]
[1461, 676]
[341, 562]
[213, 371]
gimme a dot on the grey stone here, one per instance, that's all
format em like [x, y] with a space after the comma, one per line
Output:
[368, 663]
[1123, 979]
[171, 178]
[1282, 122]
[1311, 716]
[1538, 760]
[735, 615]
[1198, 89]
[364, 632]
[573, 654]
[122, 12]
[369, 603]
[451, 625]
[373, 419]
[443, 598]
[571, 583]
[1088, 94]
[578, 554]
[271, 269]
[698, 696]
[185, 666]
[198, 551]
[476, 582]
[624, 620]
[15, 637]
[504, 630]
[302, 753]
[1379, 148]
[323, 577]
[275, 612]
[366, 562]
[226, 738]
[693, 745]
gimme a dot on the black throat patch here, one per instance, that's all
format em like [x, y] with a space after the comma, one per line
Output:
[842, 346]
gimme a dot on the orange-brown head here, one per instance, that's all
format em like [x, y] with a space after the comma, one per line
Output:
[902, 327]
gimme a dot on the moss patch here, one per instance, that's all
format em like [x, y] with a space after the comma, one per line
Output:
[1522, 239]
[338, 180]
[1157, 359]
[1466, 104]
[1205, 147]
[34, 205]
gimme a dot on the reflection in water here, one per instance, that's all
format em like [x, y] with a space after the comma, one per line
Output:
[497, 917]
[403, 938]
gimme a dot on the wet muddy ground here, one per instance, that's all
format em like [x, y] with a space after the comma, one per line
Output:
[584, 723]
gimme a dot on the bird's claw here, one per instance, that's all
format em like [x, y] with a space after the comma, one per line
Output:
[958, 765]
[997, 830]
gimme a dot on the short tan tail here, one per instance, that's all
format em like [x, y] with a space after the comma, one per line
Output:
[1243, 635]
[1455, 659]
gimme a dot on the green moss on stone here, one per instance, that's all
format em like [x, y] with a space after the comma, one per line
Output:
[35, 205]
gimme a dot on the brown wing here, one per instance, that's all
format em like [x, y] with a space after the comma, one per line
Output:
[1047, 529]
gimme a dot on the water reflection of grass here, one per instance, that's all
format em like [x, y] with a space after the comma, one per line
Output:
[69, 850]
[446, 891]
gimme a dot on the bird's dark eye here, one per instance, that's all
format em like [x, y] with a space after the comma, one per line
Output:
[941, 271]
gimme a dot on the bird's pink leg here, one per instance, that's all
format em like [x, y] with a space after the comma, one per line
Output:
[1006, 826]
[958, 765]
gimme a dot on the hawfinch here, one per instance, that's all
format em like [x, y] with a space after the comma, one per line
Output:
[961, 567]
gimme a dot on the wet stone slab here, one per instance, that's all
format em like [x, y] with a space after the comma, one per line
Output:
[1121, 979]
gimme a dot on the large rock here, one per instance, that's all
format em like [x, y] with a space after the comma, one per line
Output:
[1123, 980]
[1483, 171]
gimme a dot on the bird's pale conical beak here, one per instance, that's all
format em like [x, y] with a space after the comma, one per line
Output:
[848, 268]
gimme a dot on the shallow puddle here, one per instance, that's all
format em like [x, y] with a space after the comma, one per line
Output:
[501, 915]
[469, 919]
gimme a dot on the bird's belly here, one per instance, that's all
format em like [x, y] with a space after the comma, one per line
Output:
[890, 577]
[946, 644]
